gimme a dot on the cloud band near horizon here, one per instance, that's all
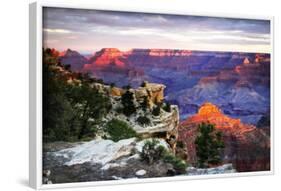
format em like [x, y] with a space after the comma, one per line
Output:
[90, 30]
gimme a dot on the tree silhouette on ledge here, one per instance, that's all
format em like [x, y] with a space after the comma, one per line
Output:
[209, 145]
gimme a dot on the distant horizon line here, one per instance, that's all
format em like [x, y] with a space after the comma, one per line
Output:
[130, 49]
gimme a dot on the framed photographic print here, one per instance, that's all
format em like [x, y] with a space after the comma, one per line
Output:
[123, 96]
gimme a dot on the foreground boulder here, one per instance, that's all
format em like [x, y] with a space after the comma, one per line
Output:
[101, 159]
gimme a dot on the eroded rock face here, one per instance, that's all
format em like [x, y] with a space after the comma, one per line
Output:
[74, 59]
[163, 126]
[154, 92]
[246, 147]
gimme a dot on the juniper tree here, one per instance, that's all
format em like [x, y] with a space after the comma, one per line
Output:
[127, 101]
[209, 145]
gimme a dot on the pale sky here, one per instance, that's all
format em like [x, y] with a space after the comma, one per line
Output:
[87, 31]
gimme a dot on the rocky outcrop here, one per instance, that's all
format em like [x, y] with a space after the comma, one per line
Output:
[163, 126]
[246, 147]
[152, 91]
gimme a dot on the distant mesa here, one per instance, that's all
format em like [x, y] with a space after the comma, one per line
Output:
[210, 113]
[106, 57]
[74, 59]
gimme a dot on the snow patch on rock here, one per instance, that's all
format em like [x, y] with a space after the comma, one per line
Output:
[97, 151]
[105, 152]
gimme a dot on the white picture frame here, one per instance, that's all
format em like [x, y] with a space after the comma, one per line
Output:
[35, 97]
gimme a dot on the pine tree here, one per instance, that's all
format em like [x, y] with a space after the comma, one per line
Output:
[127, 101]
[144, 103]
[209, 144]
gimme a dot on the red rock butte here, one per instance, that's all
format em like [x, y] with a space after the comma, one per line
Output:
[209, 112]
[208, 108]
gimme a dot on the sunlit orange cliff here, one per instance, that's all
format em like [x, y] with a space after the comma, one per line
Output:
[246, 146]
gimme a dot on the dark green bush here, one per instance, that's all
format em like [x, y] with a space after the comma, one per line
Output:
[144, 103]
[143, 84]
[167, 107]
[143, 120]
[264, 121]
[178, 164]
[118, 130]
[156, 110]
[112, 85]
[127, 87]
[119, 110]
[152, 152]
[180, 144]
